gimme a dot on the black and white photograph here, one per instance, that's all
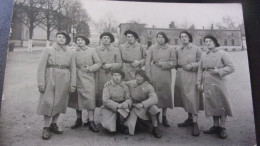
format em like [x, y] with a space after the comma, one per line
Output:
[96, 72]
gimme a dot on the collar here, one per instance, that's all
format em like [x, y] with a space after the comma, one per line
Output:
[136, 85]
[103, 47]
[164, 46]
[213, 50]
[59, 47]
[188, 46]
[114, 84]
[83, 48]
[131, 45]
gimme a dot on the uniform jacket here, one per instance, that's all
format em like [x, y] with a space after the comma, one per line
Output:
[57, 81]
[108, 55]
[185, 93]
[161, 76]
[113, 95]
[130, 53]
[216, 95]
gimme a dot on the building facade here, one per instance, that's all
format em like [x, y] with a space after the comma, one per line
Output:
[228, 39]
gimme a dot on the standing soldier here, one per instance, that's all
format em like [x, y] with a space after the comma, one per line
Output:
[111, 60]
[214, 66]
[56, 78]
[117, 102]
[133, 55]
[87, 63]
[159, 62]
[144, 103]
[185, 92]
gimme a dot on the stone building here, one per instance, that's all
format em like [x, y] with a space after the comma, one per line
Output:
[228, 39]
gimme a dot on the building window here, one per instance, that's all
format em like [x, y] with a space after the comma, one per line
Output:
[201, 42]
[231, 34]
[225, 42]
[176, 41]
[233, 42]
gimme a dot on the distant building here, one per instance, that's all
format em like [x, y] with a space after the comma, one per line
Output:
[228, 39]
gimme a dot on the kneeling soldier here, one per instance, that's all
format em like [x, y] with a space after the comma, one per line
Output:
[144, 103]
[116, 103]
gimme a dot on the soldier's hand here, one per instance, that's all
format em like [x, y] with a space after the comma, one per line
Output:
[85, 69]
[107, 66]
[124, 105]
[135, 63]
[187, 67]
[139, 105]
[72, 89]
[199, 87]
[41, 89]
[158, 63]
[214, 72]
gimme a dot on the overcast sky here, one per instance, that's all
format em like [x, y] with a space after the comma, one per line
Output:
[161, 14]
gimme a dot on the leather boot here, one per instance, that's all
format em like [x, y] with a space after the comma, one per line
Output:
[85, 124]
[195, 129]
[165, 122]
[222, 133]
[77, 124]
[46, 133]
[55, 129]
[187, 123]
[155, 133]
[212, 130]
[93, 127]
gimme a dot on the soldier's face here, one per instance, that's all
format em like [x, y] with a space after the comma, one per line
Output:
[61, 39]
[184, 38]
[160, 39]
[130, 38]
[80, 42]
[106, 40]
[209, 43]
[139, 79]
[117, 77]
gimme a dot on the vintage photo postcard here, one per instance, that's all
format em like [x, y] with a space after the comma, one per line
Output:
[83, 72]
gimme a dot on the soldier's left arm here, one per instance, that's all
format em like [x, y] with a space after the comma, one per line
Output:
[118, 60]
[195, 65]
[97, 62]
[144, 54]
[73, 74]
[228, 66]
[171, 63]
[128, 99]
[152, 98]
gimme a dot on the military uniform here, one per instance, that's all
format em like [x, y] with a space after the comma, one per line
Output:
[216, 95]
[144, 94]
[113, 95]
[110, 55]
[57, 73]
[85, 57]
[130, 53]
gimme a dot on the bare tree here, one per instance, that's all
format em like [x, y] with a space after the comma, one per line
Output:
[107, 24]
[29, 13]
[227, 23]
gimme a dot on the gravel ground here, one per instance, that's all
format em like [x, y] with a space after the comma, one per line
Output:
[21, 126]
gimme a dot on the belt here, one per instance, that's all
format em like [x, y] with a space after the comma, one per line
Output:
[179, 66]
[208, 68]
[126, 61]
[58, 66]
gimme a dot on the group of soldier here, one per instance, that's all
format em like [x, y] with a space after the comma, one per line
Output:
[130, 84]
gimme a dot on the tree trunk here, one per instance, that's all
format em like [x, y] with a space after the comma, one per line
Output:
[30, 39]
[48, 37]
